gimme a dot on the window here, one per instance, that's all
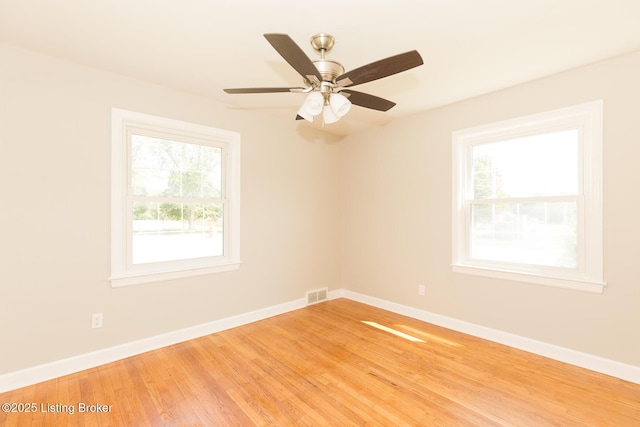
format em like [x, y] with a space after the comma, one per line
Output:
[175, 199]
[527, 202]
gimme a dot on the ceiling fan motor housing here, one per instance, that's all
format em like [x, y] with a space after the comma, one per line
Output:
[329, 70]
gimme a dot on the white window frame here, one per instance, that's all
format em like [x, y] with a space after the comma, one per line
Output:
[587, 118]
[123, 271]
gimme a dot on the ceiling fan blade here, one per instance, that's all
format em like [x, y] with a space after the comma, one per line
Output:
[367, 101]
[379, 69]
[264, 89]
[292, 53]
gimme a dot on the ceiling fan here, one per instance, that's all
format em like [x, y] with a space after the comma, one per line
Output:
[326, 81]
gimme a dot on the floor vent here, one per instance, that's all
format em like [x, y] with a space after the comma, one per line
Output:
[319, 295]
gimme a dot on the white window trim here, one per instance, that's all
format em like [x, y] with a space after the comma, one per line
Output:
[588, 118]
[121, 273]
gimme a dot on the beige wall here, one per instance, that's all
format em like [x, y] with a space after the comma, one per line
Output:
[397, 217]
[55, 217]
[371, 213]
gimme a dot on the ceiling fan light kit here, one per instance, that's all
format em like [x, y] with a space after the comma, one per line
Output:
[326, 81]
[333, 109]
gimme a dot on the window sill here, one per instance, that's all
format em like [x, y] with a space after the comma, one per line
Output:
[140, 278]
[559, 282]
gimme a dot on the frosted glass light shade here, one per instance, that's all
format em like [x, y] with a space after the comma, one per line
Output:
[303, 113]
[339, 104]
[313, 104]
[329, 116]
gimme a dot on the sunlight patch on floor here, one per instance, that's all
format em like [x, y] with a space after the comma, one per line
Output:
[428, 336]
[392, 331]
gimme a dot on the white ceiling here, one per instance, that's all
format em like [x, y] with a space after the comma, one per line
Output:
[469, 47]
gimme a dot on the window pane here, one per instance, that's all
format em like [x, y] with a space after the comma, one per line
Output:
[191, 183]
[532, 166]
[543, 233]
[163, 168]
[175, 231]
[148, 182]
[212, 170]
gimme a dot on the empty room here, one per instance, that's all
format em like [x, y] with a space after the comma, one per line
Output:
[356, 213]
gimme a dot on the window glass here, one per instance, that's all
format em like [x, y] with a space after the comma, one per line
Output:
[174, 227]
[175, 231]
[531, 166]
[543, 233]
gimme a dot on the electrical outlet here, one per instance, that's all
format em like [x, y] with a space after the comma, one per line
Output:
[96, 320]
[421, 290]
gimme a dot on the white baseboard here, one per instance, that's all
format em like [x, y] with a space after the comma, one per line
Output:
[584, 360]
[29, 376]
[25, 377]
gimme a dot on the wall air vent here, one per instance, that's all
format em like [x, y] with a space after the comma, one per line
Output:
[316, 296]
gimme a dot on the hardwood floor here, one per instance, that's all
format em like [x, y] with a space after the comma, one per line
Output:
[324, 366]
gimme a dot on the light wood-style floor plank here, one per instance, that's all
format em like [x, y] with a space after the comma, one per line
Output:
[338, 363]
